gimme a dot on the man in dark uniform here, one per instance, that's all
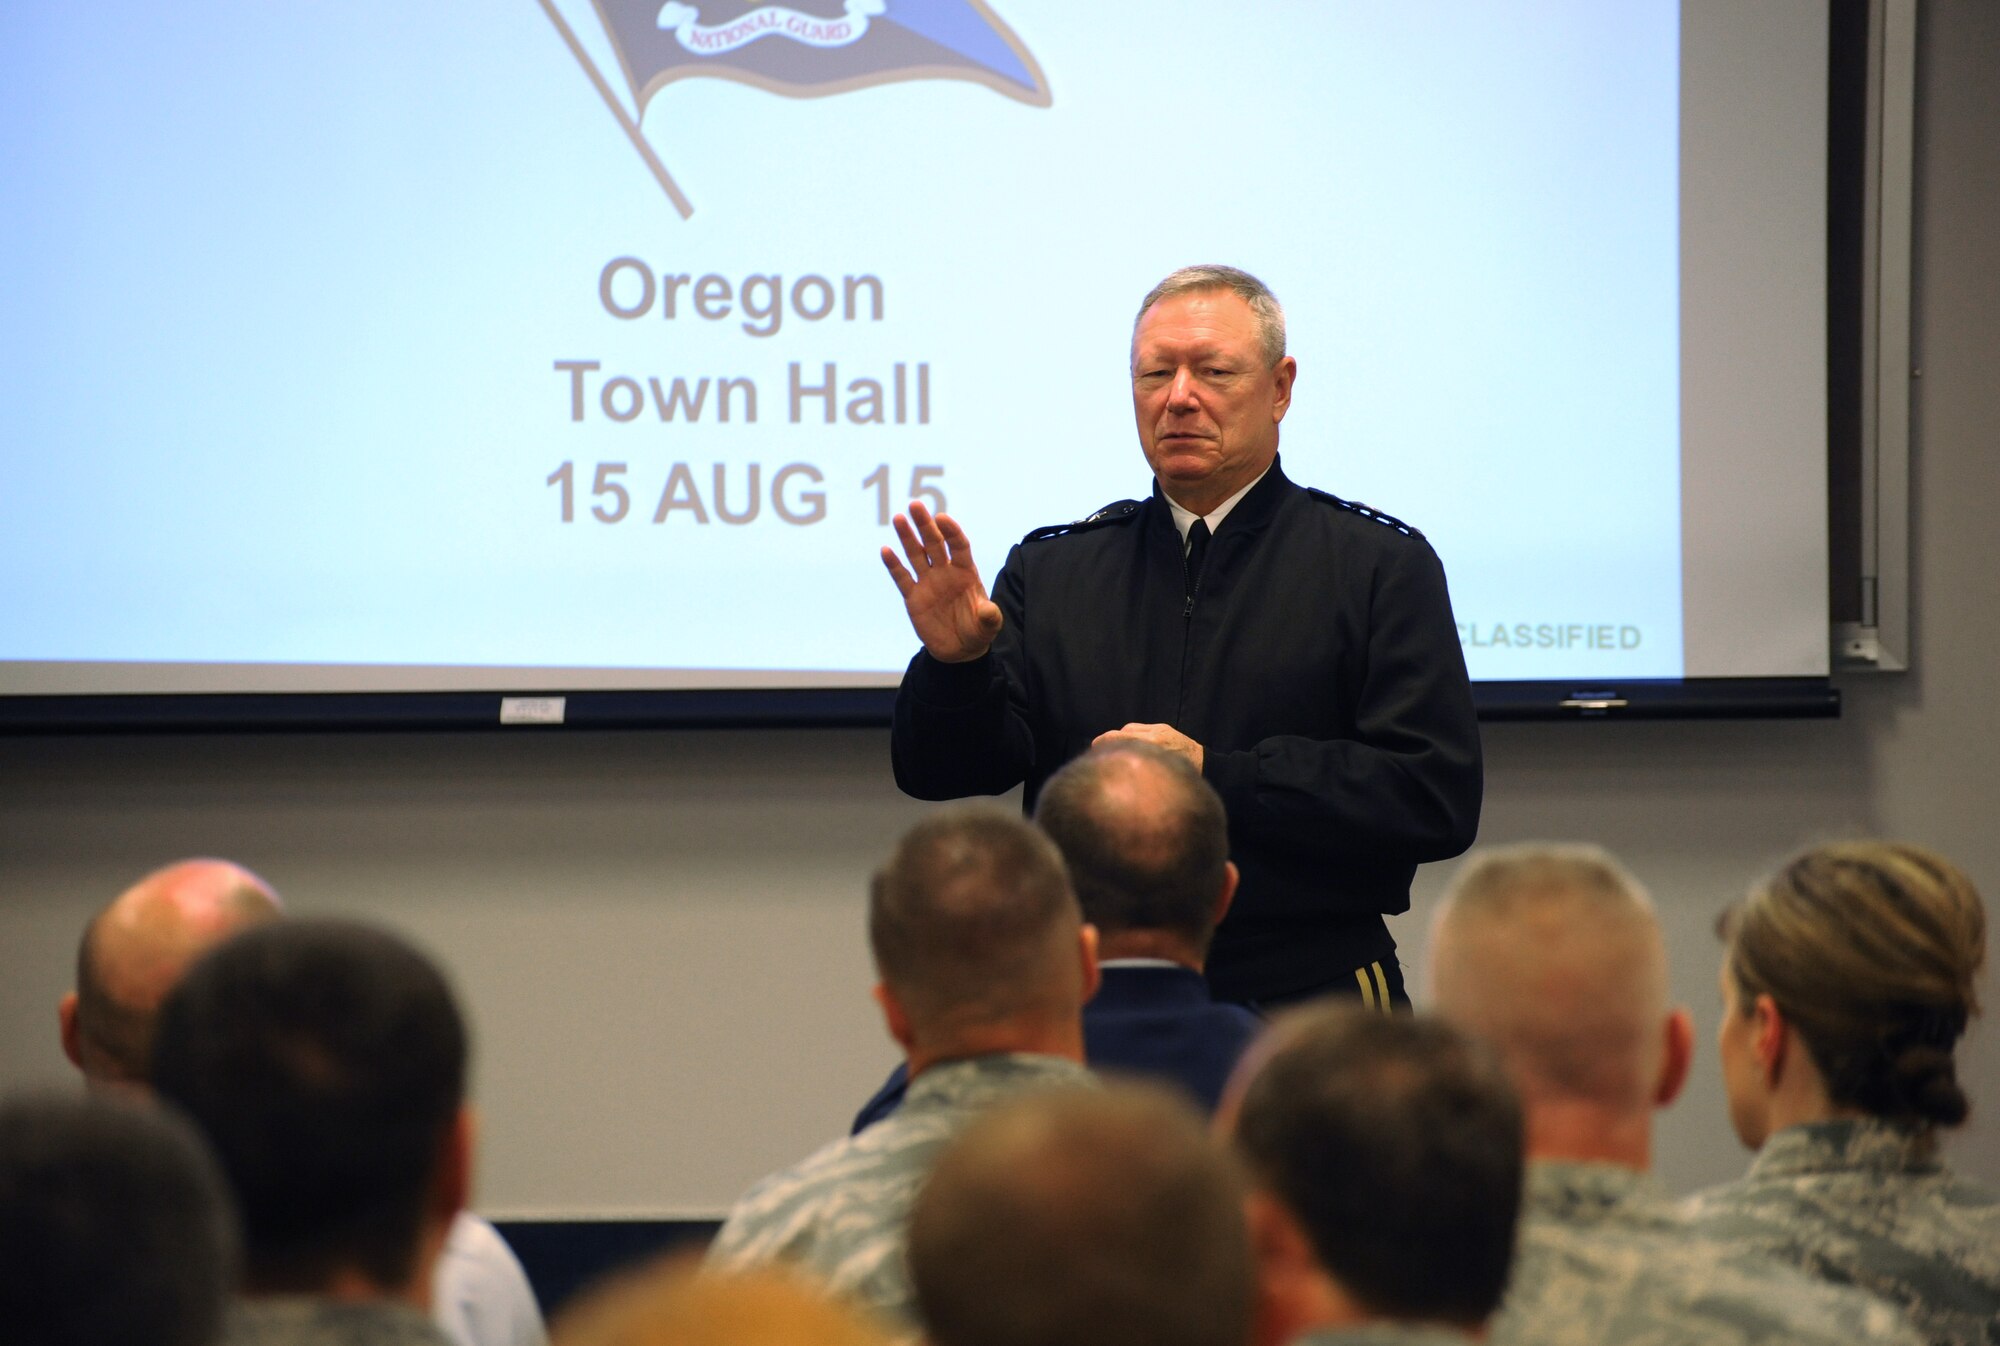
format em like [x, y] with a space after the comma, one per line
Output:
[1299, 650]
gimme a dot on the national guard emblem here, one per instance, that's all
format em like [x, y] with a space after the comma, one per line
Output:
[803, 49]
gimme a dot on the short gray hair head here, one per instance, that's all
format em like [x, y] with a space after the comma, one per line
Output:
[1553, 953]
[1263, 304]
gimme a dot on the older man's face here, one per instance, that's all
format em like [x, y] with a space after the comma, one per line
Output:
[1207, 404]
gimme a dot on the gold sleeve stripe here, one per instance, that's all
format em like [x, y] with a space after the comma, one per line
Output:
[1367, 991]
[1382, 985]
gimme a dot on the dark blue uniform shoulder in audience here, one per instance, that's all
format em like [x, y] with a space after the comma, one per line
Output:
[1151, 1020]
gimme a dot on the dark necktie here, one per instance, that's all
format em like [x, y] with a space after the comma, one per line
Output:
[1197, 552]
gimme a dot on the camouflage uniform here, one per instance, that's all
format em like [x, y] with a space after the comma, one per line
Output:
[1383, 1334]
[1604, 1257]
[842, 1212]
[1863, 1203]
[304, 1321]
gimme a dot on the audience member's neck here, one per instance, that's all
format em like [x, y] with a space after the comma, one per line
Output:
[1162, 944]
[346, 1285]
[1035, 1037]
[1324, 1306]
[1582, 1131]
[1800, 1096]
[351, 1285]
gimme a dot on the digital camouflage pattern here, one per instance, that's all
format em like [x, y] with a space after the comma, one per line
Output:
[1605, 1258]
[1865, 1203]
[843, 1213]
[284, 1320]
[1383, 1334]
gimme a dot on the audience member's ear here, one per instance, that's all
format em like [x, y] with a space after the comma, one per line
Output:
[893, 1015]
[1231, 875]
[1676, 1058]
[72, 1034]
[1092, 977]
[1772, 1040]
[1289, 1278]
[452, 1192]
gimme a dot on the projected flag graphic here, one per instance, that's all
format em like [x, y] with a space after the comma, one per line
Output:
[805, 49]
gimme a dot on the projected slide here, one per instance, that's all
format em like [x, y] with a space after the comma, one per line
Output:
[559, 343]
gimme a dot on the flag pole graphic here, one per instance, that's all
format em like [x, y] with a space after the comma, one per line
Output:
[673, 191]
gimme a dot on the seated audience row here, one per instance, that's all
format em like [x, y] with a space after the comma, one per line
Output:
[134, 953]
[1371, 1179]
[1552, 954]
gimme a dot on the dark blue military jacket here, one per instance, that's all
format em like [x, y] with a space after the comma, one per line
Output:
[1315, 659]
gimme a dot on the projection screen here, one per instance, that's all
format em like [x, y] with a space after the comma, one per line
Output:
[588, 344]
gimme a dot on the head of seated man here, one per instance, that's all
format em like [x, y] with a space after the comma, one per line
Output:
[1147, 845]
[984, 965]
[1385, 1158]
[326, 1063]
[1084, 1218]
[115, 1226]
[1552, 954]
[978, 942]
[134, 951]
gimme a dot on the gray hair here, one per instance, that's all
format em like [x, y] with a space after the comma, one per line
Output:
[1193, 279]
[1554, 955]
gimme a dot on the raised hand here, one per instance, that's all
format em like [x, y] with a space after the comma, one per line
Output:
[941, 589]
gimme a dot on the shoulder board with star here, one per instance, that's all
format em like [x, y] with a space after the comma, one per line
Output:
[1372, 515]
[1118, 511]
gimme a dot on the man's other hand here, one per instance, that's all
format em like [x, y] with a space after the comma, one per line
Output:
[941, 589]
[1159, 735]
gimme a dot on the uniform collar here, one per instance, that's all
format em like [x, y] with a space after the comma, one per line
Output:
[1149, 984]
[1252, 507]
[975, 1079]
[1583, 1193]
[1383, 1334]
[1863, 1145]
[1184, 518]
[299, 1320]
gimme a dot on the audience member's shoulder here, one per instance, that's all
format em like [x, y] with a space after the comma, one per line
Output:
[782, 1211]
[305, 1321]
[481, 1295]
[1116, 514]
[1812, 1184]
[1920, 1238]
[1605, 1258]
[1672, 1290]
[770, 1199]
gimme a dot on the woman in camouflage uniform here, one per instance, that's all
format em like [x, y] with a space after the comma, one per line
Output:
[1848, 979]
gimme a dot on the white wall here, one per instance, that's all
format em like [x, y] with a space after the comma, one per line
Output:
[659, 934]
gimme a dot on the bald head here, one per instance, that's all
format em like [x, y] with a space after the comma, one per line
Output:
[1145, 838]
[135, 951]
[1553, 955]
